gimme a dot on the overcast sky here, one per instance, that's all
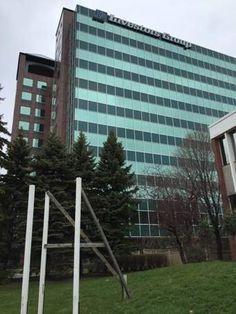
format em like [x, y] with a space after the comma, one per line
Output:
[30, 26]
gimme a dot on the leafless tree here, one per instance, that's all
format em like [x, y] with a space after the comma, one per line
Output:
[176, 207]
[197, 168]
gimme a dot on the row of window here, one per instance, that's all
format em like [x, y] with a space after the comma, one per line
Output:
[167, 85]
[36, 142]
[127, 133]
[37, 127]
[139, 115]
[127, 93]
[37, 112]
[142, 157]
[149, 80]
[202, 50]
[29, 82]
[93, 106]
[28, 96]
[153, 49]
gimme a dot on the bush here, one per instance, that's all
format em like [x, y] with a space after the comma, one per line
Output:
[4, 276]
[141, 262]
[230, 223]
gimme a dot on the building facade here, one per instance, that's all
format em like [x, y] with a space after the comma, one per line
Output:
[223, 137]
[150, 87]
[32, 113]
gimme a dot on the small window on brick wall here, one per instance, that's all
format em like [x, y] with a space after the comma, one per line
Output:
[38, 127]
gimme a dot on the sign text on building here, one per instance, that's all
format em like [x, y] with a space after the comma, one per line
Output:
[167, 37]
[102, 17]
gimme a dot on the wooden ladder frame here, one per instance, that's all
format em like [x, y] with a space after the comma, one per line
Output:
[115, 269]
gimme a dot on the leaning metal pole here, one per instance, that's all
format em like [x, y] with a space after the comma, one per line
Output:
[83, 235]
[122, 281]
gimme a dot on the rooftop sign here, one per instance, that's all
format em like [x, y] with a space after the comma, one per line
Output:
[101, 16]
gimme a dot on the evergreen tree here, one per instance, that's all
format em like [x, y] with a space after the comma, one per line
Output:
[84, 167]
[3, 135]
[14, 197]
[83, 162]
[3, 140]
[54, 173]
[115, 191]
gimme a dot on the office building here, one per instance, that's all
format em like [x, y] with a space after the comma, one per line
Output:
[150, 87]
[223, 137]
[33, 98]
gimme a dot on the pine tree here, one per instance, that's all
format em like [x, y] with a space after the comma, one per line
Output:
[14, 197]
[115, 191]
[3, 140]
[3, 135]
[84, 167]
[54, 173]
[83, 162]
[4, 251]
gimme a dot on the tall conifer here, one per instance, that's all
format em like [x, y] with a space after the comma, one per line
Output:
[15, 194]
[53, 173]
[115, 192]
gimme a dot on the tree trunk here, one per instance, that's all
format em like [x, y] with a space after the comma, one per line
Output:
[181, 250]
[218, 244]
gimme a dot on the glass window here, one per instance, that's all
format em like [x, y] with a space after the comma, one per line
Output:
[93, 128]
[28, 82]
[93, 106]
[38, 127]
[24, 125]
[102, 129]
[41, 99]
[37, 143]
[148, 158]
[102, 108]
[130, 155]
[130, 133]
[138, 135]
[83, 126]
[140, 157]
[157, 159]
[39, 113]
[147, 136]
[111, 110]
[120, 132]
[25, 110]
[26, 96]
[42, 84]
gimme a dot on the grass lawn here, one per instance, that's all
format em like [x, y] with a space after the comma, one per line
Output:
[194, 288]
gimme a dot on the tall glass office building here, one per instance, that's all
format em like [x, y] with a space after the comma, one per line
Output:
[150, 87]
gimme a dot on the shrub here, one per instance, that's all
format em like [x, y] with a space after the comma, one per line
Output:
[141, 262]
[4, 276]
[230, 223]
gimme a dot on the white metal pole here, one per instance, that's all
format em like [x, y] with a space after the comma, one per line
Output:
[43, 255]
[76, 277]
[123, 290]
[27, 254]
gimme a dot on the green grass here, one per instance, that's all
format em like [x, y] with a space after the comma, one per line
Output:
[194, 288]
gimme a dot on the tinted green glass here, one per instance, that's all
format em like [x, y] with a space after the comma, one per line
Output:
[26, 96]
[24, 125]
[25, 110]
[27, 82]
